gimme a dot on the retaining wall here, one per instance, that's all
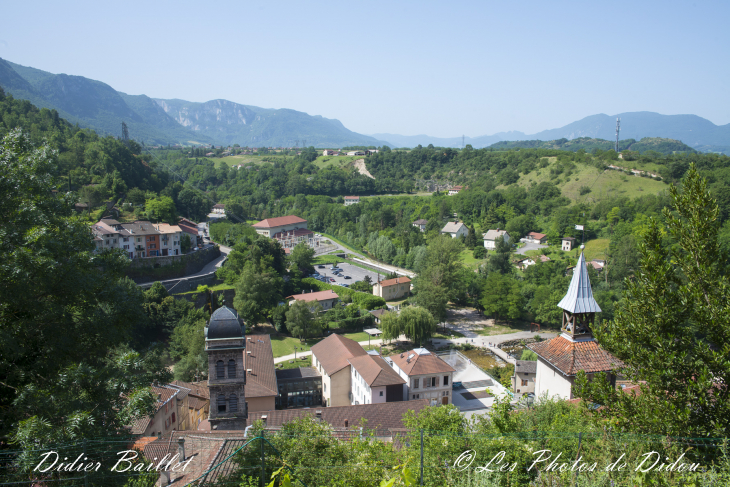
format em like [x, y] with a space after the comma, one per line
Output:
[150, 269]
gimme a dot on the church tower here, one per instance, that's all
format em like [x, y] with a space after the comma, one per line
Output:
[579, 307]
[225, 344]
[561, 358]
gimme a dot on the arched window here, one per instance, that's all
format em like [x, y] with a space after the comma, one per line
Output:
[221, 403]
[231, 369]
[233, 404]
[220, 370]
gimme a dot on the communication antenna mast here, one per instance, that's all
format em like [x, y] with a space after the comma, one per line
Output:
[462, 142]
[125, 134]
[618, 127]
[305, 143]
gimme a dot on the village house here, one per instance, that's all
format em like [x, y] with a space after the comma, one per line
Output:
[391, 289]
[420, 224]
[170, 412]
[537, 238]
[455, 229]
[455, 190]
[138, 239]
[378, 314]
[426, 376]
[490, 238]
[560, 359]
[198, 401]
[328, 299]
[170, 236]
[219, 209]
[356, 153]
[328, 152]
[523, 264]
[351, 200]
[331, 358]
[568, 243]
[523, 380]
[191, 229]
[373, 380]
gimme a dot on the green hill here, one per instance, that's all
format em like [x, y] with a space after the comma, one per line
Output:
[588, 144]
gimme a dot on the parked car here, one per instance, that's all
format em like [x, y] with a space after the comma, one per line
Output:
[320, 267]
[348, 277]
[345, 285]
[332, 280]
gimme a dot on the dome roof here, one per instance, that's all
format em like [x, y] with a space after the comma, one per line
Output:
[224, 324]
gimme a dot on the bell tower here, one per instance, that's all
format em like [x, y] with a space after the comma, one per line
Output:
[225, 343]
[579, 307]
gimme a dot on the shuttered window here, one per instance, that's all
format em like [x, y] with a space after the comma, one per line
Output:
[231, 369]
[220, 371]
[221, 403]
[233, 404]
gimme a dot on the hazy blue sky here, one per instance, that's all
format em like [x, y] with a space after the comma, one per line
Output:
[407, 67]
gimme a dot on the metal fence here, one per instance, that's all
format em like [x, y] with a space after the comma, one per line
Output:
[365, 457]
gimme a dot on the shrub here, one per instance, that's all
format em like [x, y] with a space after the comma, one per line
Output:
[479, 252]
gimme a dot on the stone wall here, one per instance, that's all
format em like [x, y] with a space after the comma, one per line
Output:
[150, 269]
[199, 299]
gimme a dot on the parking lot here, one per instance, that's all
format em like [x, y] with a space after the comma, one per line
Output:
[356, 273]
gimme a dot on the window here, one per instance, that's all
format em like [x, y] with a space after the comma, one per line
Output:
[415, 383]
[434, 381]
[325, 387]
[524, 382]
[233, 404]
[381, 393]
[446, 380]
[220, 371]
[173, 417]
[231, 369]
[221, 403]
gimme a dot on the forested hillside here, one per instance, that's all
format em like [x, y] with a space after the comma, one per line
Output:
[662, 146]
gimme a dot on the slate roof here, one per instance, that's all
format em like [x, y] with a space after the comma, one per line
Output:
[494, 234]
[569, 357]
[425, 363]
[334, 352]
[579, 298]
[452, 227]
[375, 371]
[394, 281]
[223, 324]
[261, 381]
[140, 228]
[526, 366]
[279, 222]
[298, 373]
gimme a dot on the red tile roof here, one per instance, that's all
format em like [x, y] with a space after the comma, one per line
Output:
[334, 352]
[375, 371]
[536, 235]
[570, 357]
[199, 389]
[420, 364]
[318, 296]
[261, 381]
[393, 282]
[279, 222]
[352, 197]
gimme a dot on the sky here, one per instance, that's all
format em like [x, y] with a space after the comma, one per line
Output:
[405, 67]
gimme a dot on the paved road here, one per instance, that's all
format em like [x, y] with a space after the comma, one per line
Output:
[530, 246]
[386, 267]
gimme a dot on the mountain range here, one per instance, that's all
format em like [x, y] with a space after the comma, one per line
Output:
[697, 132]
[98, 106]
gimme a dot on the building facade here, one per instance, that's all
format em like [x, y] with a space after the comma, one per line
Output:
[351, 200]
[426, 376]
[331, 358]
[420, 224]
[567, 244]
[373, 380]
[392, 289]
[328, 299]
[523, 380]
[455, 229]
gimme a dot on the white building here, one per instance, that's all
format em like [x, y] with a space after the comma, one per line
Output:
[219, 209]
[568, 243]
[455, 229]
[351, 200]
[170, 236]
[331, 358]
[420, 224]
[328, 299]
[373, 380]
[390, 289]
[492, 235]
[427, 376]
[560, 359]
[288, 230]
[455, 190]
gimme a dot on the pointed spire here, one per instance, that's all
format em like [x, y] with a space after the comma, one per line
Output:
[579, 298]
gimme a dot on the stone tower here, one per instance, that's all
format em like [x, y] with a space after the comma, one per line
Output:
[225, 344]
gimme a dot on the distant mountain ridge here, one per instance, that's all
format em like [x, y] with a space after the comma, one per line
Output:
[96, 105]
[696, 132]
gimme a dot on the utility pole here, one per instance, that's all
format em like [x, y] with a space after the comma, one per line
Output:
[618, 127]
[125, 134]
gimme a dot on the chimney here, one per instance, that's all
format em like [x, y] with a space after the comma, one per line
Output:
[181, 448]
[164, 477]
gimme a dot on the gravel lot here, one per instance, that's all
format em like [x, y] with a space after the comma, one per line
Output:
[356, 273]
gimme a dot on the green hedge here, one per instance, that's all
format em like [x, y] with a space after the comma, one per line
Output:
[361, 299]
